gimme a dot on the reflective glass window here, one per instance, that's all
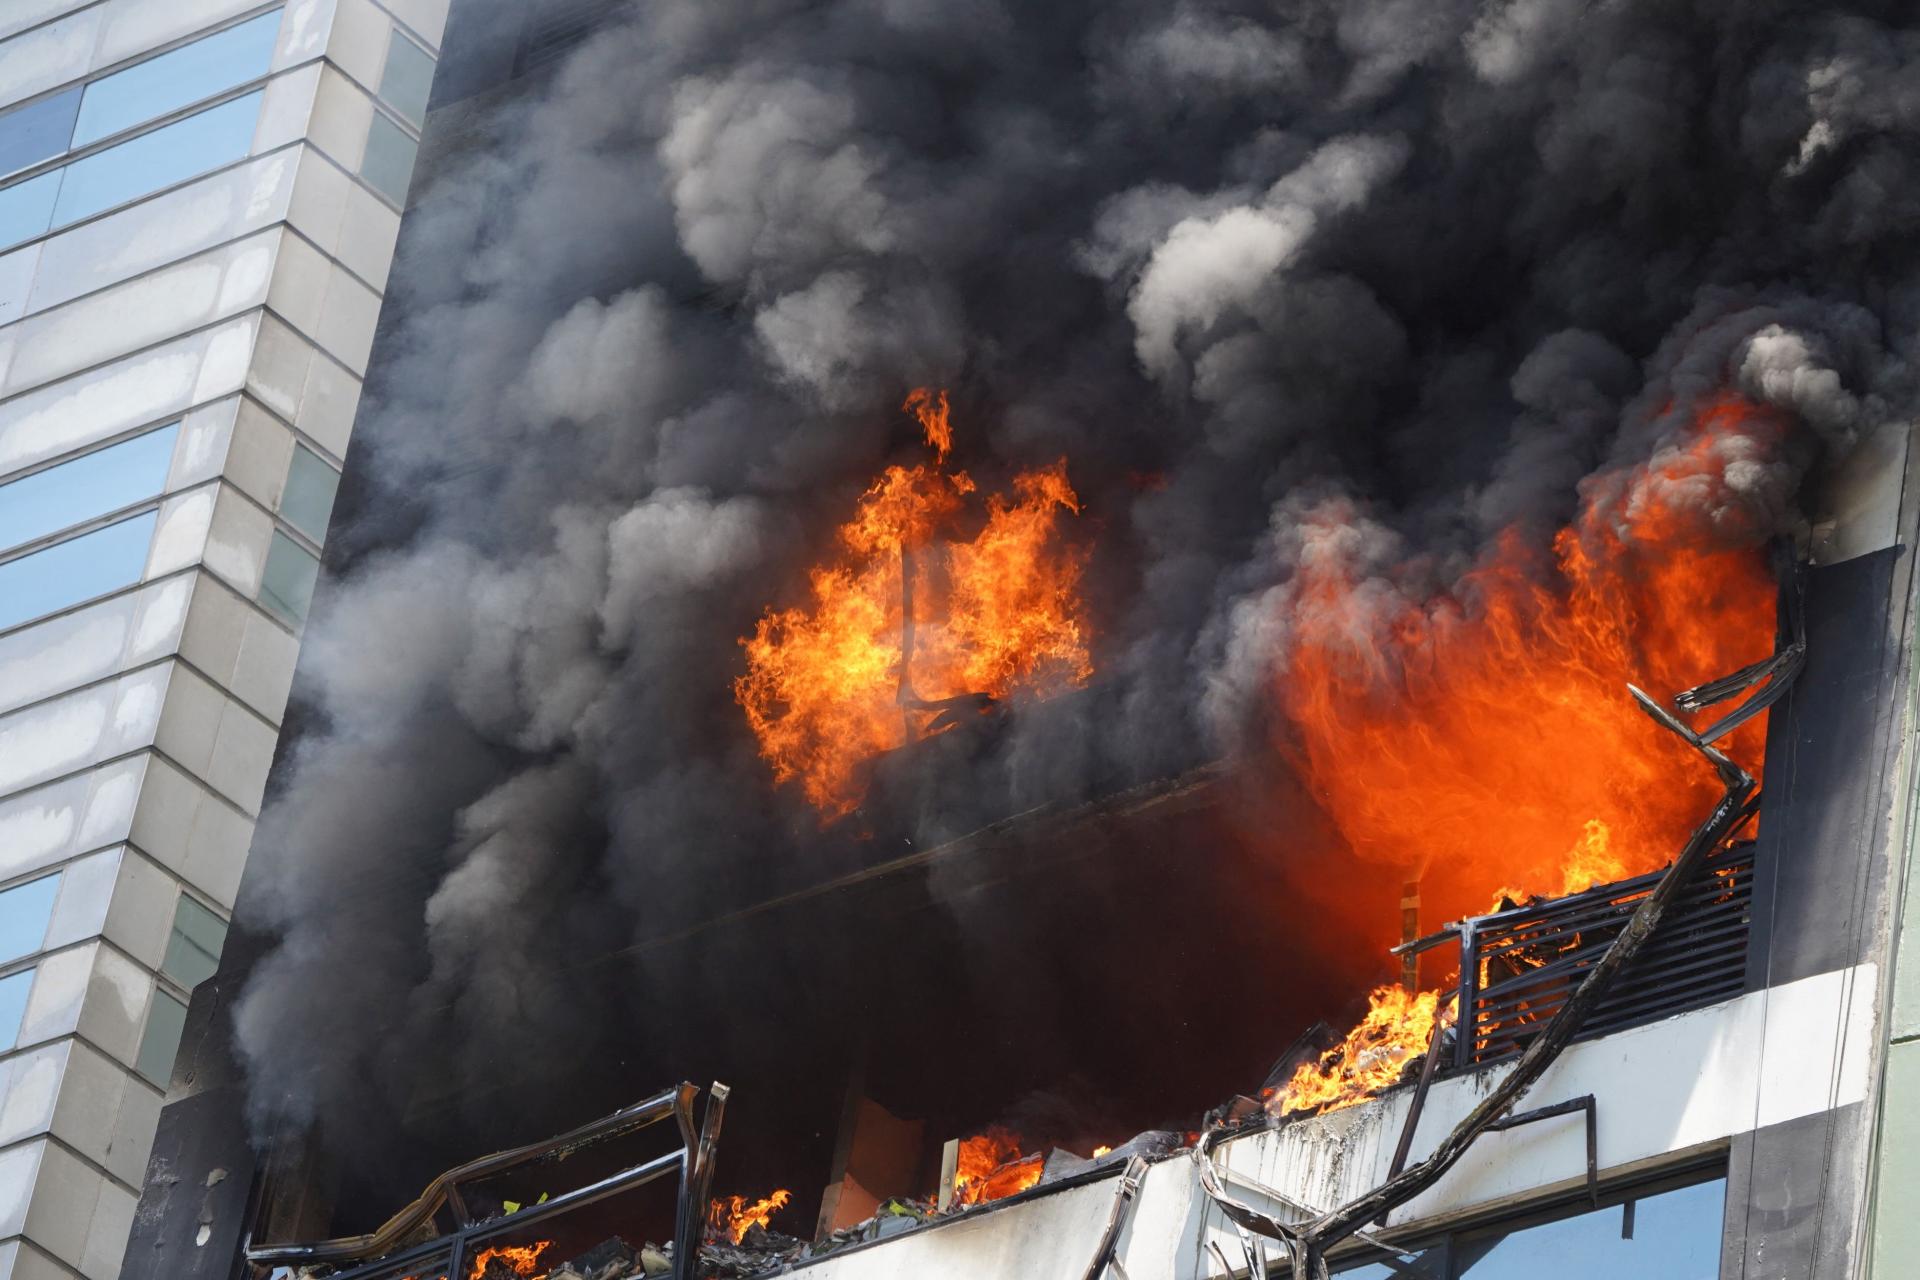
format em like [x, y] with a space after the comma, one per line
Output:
[37, 131]
[25, 911]
[161, 1040]
[193, 949]
[388, 163]
[307, 500]
[78, 569]
[408, 78]
[286, 584]
[158, 159]
[14, 990]
[90, 485]
[26, 208]
[1672, 1235]
[173, 80]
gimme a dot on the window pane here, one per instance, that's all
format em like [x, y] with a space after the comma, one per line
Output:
[159, 159]
[161, 1041]
[37, 131]
[75, 570]
[388, 164]
[193, 950]
[173, 80]
[90, 485]
[307, 500]
[14, 989]
[405, 83]
[286, 584]
[26, 208]
[1674, 1235]
[24, 912]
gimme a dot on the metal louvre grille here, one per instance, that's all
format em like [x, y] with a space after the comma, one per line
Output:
[1519, 967]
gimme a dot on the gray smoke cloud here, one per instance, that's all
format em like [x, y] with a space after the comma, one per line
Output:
[1441, 267]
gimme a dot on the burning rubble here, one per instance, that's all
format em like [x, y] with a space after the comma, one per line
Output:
[1398, 1028]
[990, 1167]
[732, 1217]
[511, 1262]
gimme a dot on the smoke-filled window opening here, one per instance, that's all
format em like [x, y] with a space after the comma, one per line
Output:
[1666, 1226]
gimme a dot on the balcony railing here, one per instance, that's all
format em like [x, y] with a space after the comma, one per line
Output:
[438, 1237]
[1518, 967]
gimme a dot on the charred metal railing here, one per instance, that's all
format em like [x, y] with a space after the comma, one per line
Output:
[434, 1237]
[1519, 967]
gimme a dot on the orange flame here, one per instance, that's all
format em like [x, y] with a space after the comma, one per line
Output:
[1483, 736]
[732, 1216]
[1394, 1032]
[990, 1167]
[931, 408]
[1001, 613]
[523, 1259]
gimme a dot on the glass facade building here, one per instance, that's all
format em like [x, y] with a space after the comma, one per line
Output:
[198, 206]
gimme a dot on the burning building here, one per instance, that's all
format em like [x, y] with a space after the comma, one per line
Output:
[1181, 642]
[198, 208]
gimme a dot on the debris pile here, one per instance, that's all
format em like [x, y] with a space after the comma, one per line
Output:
[615, 1259]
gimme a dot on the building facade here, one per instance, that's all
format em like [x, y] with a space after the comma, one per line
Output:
[1762, 1130]
[197, 215]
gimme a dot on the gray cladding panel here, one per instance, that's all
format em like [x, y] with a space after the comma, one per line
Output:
[201, 1174]
[1822, 842]
[1790, 1211]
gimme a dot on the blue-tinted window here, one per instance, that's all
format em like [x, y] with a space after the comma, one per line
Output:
[25, 910]
[286, 584]
[193, 949]
[407, 79]
[388, 163]
[1673, 1235]
[1670, 1234]
[26, 208]
[161, 1041]
[174, 153]
[78, 569]
[307, 500]
[173, 80]
[38, 131]
[90, 485]
[14, 989]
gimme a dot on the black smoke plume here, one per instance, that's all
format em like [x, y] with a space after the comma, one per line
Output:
[1445, 260]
